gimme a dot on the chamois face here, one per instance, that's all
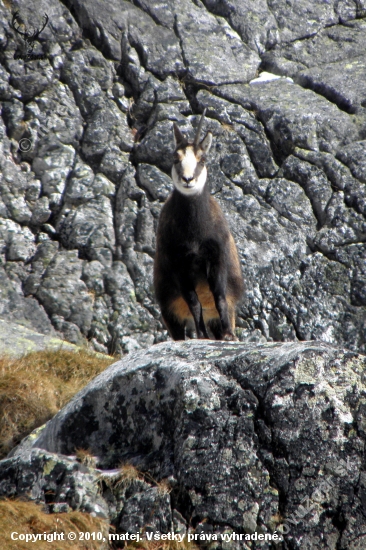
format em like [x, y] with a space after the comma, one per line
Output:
[189, 172]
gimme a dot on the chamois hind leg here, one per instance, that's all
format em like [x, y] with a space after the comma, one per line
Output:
[217, 283]
[175, 327]
[232, 321]
[227, 329]
[225, 318]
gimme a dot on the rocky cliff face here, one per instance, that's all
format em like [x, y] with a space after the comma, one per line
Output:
[230, 437]
[85, 155]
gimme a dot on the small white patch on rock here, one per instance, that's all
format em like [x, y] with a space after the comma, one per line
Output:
[267, 77]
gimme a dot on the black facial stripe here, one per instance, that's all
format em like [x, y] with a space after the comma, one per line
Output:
[179, 170]
[198, 169]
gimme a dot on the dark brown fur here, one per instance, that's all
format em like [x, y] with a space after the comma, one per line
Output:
[197, 274]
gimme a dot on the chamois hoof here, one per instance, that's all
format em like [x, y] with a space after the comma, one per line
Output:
[230, 337]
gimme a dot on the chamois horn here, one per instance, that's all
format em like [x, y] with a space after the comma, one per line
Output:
[198, 133]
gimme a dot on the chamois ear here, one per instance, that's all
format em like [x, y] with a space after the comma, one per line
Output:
[178, 136]
[206, 143]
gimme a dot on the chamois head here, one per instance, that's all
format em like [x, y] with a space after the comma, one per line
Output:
[189, 172]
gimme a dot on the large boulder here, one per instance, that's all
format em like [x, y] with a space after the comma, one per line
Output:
[222, 438]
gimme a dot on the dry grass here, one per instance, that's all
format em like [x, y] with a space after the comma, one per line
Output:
[129, 472]
[122, 477]
[28, 517]
[34, 387]
[227, 127]
[86, 457]
[24, 517]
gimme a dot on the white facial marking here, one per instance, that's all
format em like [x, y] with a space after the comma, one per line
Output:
[188, 165]
[195, 186]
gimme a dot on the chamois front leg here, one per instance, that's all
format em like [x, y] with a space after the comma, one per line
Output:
[217, 281]
[195, 308]
[223, 310]
[175, 327]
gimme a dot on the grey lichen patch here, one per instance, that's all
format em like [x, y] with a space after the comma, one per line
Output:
[17, 339]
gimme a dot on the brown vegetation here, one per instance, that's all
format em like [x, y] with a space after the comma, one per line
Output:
[28, 517]
[34, 387]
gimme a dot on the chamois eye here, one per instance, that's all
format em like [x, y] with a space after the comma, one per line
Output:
[176, 158]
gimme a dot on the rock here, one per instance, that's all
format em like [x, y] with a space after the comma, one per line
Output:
[19, 192]
[53, 166]
[314, 183]
[353, 156]
[14, 306]
[303, 19]
[280, 107]
[88, 226]
[30, 85]
[41, 212]
[53, 119]
[16, 339]
[253, 21]
[291, 202]
[331, 45]
[154, 181]
[283, 85]
[80, 488]
[237, 437]
[342, 83]
[223, 56]
[63, 293]
[16, 243]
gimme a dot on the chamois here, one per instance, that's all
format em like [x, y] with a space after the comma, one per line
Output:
[197, 273]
